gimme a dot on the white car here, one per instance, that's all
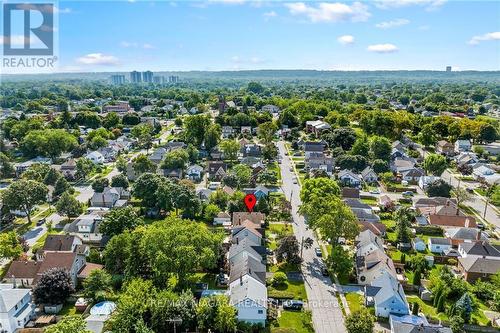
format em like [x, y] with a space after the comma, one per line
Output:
[375, 191]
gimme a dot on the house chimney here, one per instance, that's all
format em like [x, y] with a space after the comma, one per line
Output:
[467, 222]
[237, 240]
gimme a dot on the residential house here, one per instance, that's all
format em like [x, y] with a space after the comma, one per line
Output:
[366, 242]
[21, 167]
[203, 194]
[397, 153]
[349, 178]
[68, 169]
[27, 273]
[399, 164]
[439, 245]
[377, 228]
[195, 172]
[253, 150]
[110, 197]
[16, 308]
[259, 191]
[248, 266]
[411, 175]
[174, 145]
[131, 173]
[158, 154]
[418, 244]
[350, 193]
[385, 203]
[433, 202]
[62, 243]
[249, 296]
[373, 265]
[223, 219]
[246, 130]
[171, 173]
[246, 230]
[246, 247]
[317, 126]
[466, 158]
[95, 157]
[425, 181]
[481, 249]
[86, 227]
[319, 161]
[446, 148]
[255, 217]
[270, 108]
[487, 175]
[363, 212]
[414, 324]
[369, 176]
[109, 153]
[118, 107]
[462, 146]
[474, 268]
[461, 235]
[311, 148]
[387, 296]
[227, 132]
[216, 170]
[398, 145]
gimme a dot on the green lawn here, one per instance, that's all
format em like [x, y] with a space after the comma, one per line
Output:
[292, 290]
[355, 301]
[369, 201]
[293, 321]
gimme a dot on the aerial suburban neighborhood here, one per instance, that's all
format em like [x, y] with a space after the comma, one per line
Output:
[247, 167]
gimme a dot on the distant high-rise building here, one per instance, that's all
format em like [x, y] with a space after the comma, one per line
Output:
[135, 77]
[158, 79]
[118, 79]
[173, 79]
[448, 68]
[147, 77]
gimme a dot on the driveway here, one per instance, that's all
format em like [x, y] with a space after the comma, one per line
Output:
[326, 313]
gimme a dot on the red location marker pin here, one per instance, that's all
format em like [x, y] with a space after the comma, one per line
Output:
[250, 201]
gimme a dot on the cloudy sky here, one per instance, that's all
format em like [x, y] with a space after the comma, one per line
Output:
[237, 34]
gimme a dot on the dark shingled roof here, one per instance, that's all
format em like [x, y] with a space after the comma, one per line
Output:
[58, 243]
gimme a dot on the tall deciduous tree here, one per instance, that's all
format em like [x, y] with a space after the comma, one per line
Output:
[10, 247]
[24, 195]
[120, 219]
[361, 321]
[68, 205]
[230, 149]
[435, 164]
[53, 287]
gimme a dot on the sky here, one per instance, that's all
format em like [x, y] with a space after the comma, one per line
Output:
[240, 35]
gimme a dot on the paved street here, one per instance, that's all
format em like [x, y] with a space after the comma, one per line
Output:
[326, 313]
[477, 203]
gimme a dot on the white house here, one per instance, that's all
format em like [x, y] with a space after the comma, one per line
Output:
[194, 172]
[96, 157]
[439, 245]
[462, 145]
[425, 181]
[387, 295]
[368, 175]
[249, 297]
[347, 177]
[16, 308]
[223, 219]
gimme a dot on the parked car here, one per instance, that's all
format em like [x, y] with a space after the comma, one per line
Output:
[324, 271]
[41, 222]
[375, 191]
[480, 225]
[293, 305]
[470, 190]
[407, 194]
[318, 252]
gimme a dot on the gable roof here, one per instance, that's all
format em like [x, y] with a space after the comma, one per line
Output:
[466, 234]
[9, 297]
[482, 248]
[23, 269]
[255, 217]
[480, 265]
[376, 227]
[390, 290]
[248, 266]
[57, 259]
[439, 241]
[248, 289]
[59, 243]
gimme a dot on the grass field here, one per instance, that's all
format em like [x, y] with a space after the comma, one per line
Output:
[292, 290]
[293, 321]
[354, 300]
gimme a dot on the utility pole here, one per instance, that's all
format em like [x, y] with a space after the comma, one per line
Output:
[486, 207]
